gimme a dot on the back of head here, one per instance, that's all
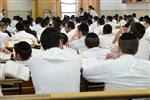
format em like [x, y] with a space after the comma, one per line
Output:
[137, 29]
[107, 29]
[23, 49]
[83, 27]
[65, 38]
[44, 23]
[95, 18]
[71, 25]
[92, 40]
[134, 15]
[101, 21]
[109, 18]
[147, 20]
[20, 26]
[38, 20]
[128, 43]
[50, 38]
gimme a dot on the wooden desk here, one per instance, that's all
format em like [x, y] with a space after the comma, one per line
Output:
[111, 95]
[12, 81]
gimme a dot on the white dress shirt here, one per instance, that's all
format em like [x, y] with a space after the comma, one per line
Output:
[147, 34]
[122, 22]
[99, 30]
[93, 13]
[143, 49]
[112, 25]
[24, 36]
[71, 34]
[36, 28]
[106, 41]
[78, 44]
[57, 71]
[126, 72]
[96, 52]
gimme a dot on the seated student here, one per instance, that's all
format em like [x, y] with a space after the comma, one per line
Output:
[144, 47]
[22, 52]
[99, 29]
[44, 25]
[65, 43]
[4, 38]
[37, 25]
[109, 20]
[70, 29]
[126, 72]
[107, 37]
[147, 27]
[92, 42]
[79, 44]
[21, 35]
[56, 71]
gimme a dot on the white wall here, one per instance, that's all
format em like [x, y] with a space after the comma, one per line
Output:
[19, 7]
[118, 6]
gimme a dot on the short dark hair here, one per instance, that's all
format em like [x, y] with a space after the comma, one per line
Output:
[107, 29]
[38, 20]
[50, 38]
[134, 14]
[65, 38]
[96, 18]
[92, 40]
[23, 49]
[138, 29]
[128, 43]
[84, 28]
[109, 18]
[147, 19]
[71, 25]
[44, 23]
[101, 21]
[20, 26]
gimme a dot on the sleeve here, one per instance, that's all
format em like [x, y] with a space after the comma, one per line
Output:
[99, 73]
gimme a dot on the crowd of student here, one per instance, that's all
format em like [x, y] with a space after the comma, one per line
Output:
[111, 49]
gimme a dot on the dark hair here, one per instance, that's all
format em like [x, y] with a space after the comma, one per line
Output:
[89, 22]
[23, 49]
[38, 20]
[134, 14]
[44, 23]
[91, 7]
[50, 38]
[128, 43]
[65, 38]
[71, 25]
[147, 19]
[92, 40]
[96, 18]
[84, 28]
[101, 21]
[141, 19]
[81, 9]
[107, 29]
[138, 29]
[20, 26]
[109, 18]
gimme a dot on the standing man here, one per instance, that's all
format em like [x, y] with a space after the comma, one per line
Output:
[92, 11]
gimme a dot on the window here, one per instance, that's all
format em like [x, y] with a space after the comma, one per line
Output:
[68, 7]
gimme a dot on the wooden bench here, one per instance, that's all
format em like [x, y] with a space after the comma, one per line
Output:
[102, 95]
[14, 86]
[12, 81]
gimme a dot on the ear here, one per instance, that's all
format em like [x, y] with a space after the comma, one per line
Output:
[17, 57]
[61, 43]
[119, 53]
